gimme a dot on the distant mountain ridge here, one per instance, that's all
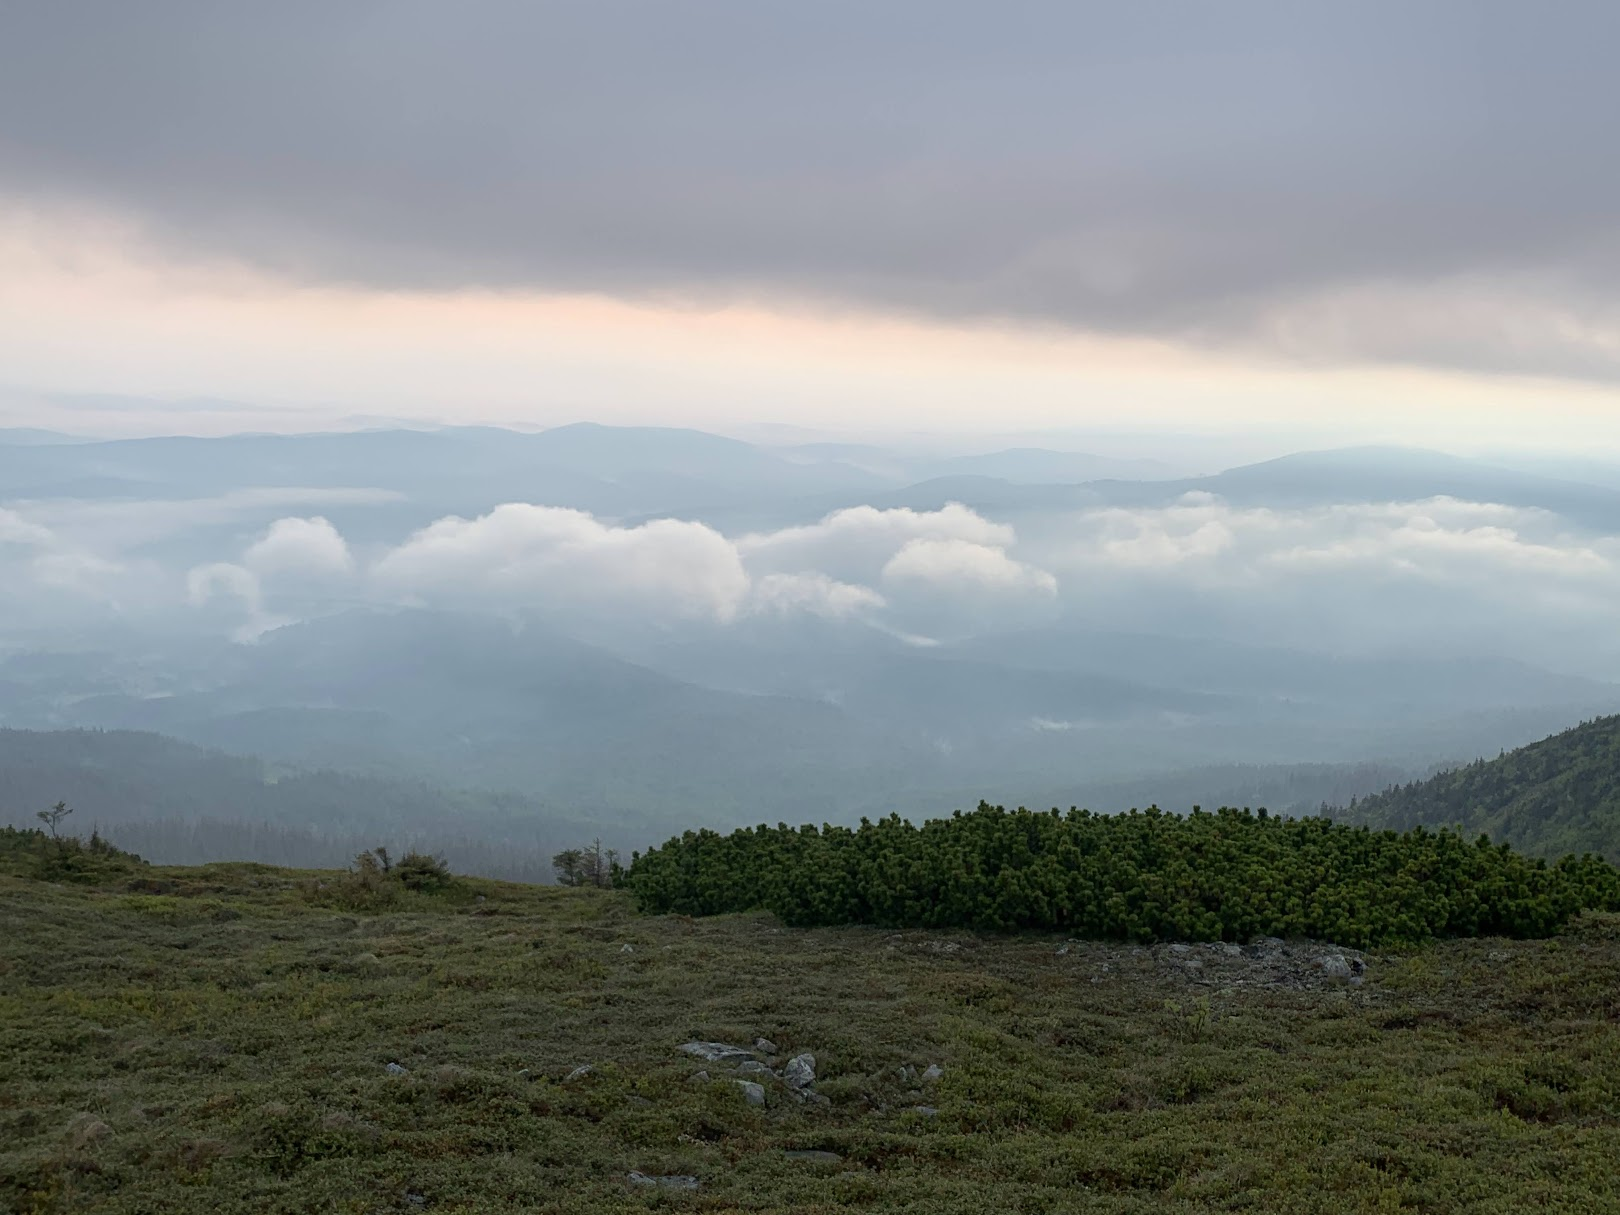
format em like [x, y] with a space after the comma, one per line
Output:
[175, 802]
[1559, 795]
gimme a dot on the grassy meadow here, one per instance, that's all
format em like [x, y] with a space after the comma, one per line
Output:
[218, 1039]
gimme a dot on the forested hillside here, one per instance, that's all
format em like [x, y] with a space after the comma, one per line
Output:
[1553, 797]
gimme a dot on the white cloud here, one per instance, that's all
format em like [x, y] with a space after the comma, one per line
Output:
[15, 529]
[1438, 575]
[856, 543]
[539, 557]
[947, 564]
[1205, 540]
[300, 548]
[816, 594]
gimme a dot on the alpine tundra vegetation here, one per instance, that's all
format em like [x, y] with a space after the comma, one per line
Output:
[235, 1037]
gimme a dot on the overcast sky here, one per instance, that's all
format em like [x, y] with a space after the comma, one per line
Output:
[1382, 220]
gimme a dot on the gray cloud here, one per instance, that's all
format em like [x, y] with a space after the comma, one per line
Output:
[1425, 183]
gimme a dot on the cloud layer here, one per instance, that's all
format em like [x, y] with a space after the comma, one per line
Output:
[1385, 181]
[1437, 576]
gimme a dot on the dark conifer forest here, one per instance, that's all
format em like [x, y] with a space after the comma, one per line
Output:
[1559, 795]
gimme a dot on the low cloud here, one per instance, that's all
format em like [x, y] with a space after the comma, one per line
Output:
[300, 548]
[949, 564]
[548, 558]
[815, 594]
[1439, 574]
[891, 569]
[857, 542]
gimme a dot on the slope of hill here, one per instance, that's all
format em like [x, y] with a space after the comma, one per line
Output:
[1555, 796]
[172, 801]
[237, 1038]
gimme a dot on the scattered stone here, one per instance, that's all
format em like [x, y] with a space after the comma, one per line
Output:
[1336, 968]
[523, 1073]
[678, 1181]
[765, 1046]
[698, 1078]
[394, 1069]
[927, 1111]
[906, 1072]
[717, 1052]
[753, 1067]
[1231, 950]
[933, 1072]
[800, 1071]
[415, 1199]
[627, 948]
[753, 1093]
[811, 1156]
[1062, 949]
[480, 899]
[1179, 948]
[579, 1073]
[813, 1097]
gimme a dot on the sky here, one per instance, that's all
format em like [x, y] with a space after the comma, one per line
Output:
[1312, 223]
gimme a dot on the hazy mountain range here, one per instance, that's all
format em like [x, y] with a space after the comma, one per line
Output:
[645, 629]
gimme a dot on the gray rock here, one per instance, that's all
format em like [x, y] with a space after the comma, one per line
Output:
[1062, 949]
[416, 1200]
[717, 1052]
[627, 949]
[927, 1111]
[1336, 967]
[1179, 948]
[800, 1071]
[753, 1067]
[814, 1157]
[765, 1046]
[906, 1072]
[933, 1072]
[579, 1073]
[698, 1077]
[394, 1069]
[676, 1181]
[753, 1093]
[1231, 950]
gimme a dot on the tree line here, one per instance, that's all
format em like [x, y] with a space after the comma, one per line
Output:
[1144, 876]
